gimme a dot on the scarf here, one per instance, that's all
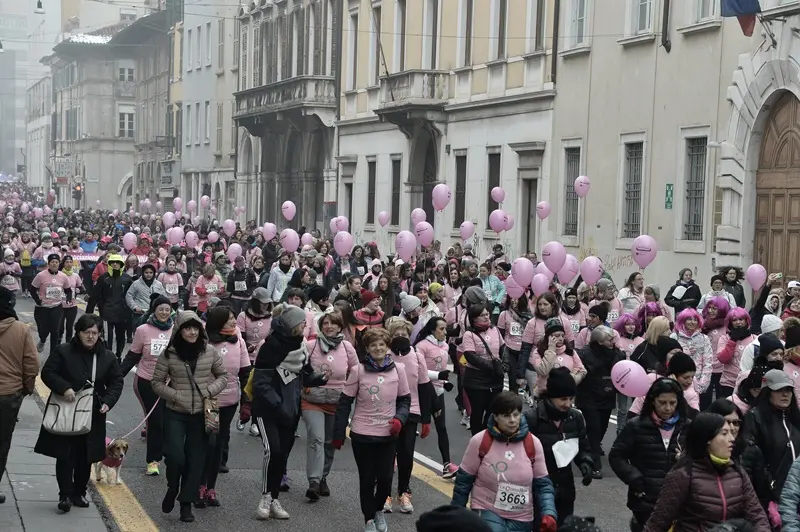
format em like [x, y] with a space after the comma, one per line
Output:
[432, 339]
[571, 311]
[522, 319]
[295, 360]
[713, 323]
[554, 413]
[254, 317]
[717, 461]
[378, 367]
[161, 325]
[67, 272]
[481, 328]
[328, 343]
[665, 424]
[738, 333]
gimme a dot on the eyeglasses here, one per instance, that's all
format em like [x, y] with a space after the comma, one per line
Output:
[734, 422]
[90, 334]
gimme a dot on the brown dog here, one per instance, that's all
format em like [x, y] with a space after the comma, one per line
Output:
[115, 454]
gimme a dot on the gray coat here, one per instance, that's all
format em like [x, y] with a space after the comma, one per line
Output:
[138, 296]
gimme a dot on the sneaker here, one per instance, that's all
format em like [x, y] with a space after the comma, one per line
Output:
[387, 506]
[223, 468]
[186, 512]
[285, 483]
[168, 504]
[464, 419]
[152, 469]
[64, 504]
[468, 425]
[380, 522]
[404, 501]
[449, 470]
[324, 490]
[312, 493]
[276, 511]
[211, 498]
[40, 348]
[370, 526]
[254, 430]
[262, 512]
[239, 426]
[597, 474]
[201, 498]
[79, 501]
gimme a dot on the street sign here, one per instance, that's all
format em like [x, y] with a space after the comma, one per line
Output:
[669, 195]
[63, 166]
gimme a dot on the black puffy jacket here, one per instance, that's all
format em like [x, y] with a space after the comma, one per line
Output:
[110, 292]
[640, 460]
[596, 390]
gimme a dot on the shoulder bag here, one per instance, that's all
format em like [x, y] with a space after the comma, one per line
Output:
[210, 405]
[71, 418]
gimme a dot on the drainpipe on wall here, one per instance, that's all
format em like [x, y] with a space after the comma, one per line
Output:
[665, 42]
[554, 60]
[337, 81]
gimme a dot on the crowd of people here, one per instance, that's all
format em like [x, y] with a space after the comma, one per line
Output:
[367, 349]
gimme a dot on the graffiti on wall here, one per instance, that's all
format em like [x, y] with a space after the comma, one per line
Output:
[616, 262]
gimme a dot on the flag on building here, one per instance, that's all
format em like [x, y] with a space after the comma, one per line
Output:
[745, 11]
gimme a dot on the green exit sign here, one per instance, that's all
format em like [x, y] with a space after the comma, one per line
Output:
[669, 196]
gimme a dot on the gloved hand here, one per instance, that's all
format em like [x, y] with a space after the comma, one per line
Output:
[638, 486]
[426, 430]
[337, 444]
[395, 426]
[444, 375]
[245, 413]
[586, 473]
[448, 386]
[549, 524]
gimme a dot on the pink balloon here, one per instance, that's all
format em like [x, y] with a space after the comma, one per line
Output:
[204, 201]
[52, 192]
[269, 231]
[513, 288]
[342, 223]
[332, 225]
[129, 241]
[424, 234]
[498, 194]
[168, 219]
[175, 236]
[542, 210]
[591, 270]
[441, 196]
[510, 223]
[307, 239]
[229, 226]
[148, 204]
[178, 214]
[522, 271]
[192, 239]
[541, 269]
[554, 255]
[630, 378]
[582, 186]
[343, 243]
[405, 243]
[644, 250]
[115, 212]
[98, 204]
[418, 215]
[234, 250]
[47, 210]
[498, 220]
[191, 206]
[569, 271]
[289, 239]
[383, 218]
[159, 206]
[467, 229]
[213, 210]
[289, 209]
[540, 284]
[755, 276]
[213, 236]
[37, 212]
[177, 203]
[196, 220]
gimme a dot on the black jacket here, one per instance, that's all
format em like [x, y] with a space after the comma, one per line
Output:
[737, 291]
[487, 373]
[691, 298]
[596, 389]
[245, 275]
[640, 460]
[646, 355]
[70, 366]
[110, 292]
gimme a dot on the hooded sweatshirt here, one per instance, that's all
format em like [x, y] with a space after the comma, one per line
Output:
[698, 346]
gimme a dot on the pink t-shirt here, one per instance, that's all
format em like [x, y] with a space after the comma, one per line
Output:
[172, 284]
[376, 394]
[74, 282]
[416, 373]
[214, 287]
[150, 341]
[51, 287]
[436, 358]
[234, 356]
[254, 331]
[9, 275]
[340, 361]
[534, 330]
[471, 342]
[513, 330]
[793, 371]
[691, 396]
[194, 298]
[572, 362]
[615, 309]
[506, 463]
[310, 330]
[577, 321]
[731, 370]
[627, 345]
[714, 336]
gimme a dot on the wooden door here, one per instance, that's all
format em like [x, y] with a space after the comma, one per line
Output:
[777, 233]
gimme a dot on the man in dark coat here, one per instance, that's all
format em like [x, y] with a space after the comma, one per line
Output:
[110, 291]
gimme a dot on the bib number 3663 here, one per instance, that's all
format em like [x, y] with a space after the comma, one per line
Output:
[511, 498]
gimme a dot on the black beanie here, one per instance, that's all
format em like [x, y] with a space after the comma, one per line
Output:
[664, 345]
[451, 519]
[767, 343]
[553, 325]
[560, 383]
[157, 299]
[317, 293]
[792, 337]
[600, 310]
[681, 363]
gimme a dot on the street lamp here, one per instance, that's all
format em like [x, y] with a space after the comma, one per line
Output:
[39, 8]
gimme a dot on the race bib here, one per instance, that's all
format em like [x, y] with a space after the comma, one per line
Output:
[576, 326]
[53, 293]
[9, 280]
[511, 498]
[213, 288]
[171, 289]
[286, 375]
[157, 346]
[361, 270]
[516, 329]
[613, 316]
[240, 286]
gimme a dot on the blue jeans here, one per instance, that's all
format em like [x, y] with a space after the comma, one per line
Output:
[498, 524]
[623, 405]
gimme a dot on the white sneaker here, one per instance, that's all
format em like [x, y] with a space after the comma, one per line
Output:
[276, 511]
[404, 502]
[387, 506]
[370, 526]
[380, 522]
[262, 512]
[468, 425]
[239, 426]
[254, 430]
[464, 419]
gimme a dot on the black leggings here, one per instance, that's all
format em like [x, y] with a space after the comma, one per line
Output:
[404, 449]
[48, 320]
[596, 426]
[67, 323]
[155, 423]
[277, 441]
[513, 361]
[480, 401]
[119, 330]
[216, 445]
[441, 428]
[185, 443]
[72, 469]
[375, 463]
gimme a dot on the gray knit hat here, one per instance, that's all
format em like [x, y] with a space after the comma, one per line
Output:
[292, 316]
[409, 303]
[475, 296]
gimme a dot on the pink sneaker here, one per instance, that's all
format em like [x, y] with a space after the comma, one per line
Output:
[201, 498]
[211, 498]
[449, 470]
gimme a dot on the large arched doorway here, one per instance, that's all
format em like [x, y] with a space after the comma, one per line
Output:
[423, 170]
[777, 231]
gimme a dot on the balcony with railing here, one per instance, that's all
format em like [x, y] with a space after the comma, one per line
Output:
[413, 95]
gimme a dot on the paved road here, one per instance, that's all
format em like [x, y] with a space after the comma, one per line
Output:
[239, 490]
